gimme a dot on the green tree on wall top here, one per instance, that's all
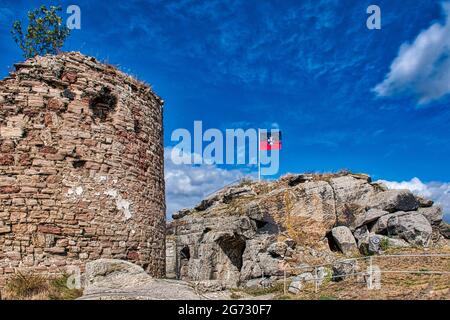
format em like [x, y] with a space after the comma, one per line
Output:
[45, 33]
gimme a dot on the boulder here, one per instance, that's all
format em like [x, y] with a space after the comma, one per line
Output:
[375, 244]
[290, 243]
[237, 192]
[351, 196]
[115, 272]
[313, 218]
[380, 227]
[369, 216]
[414, 228]
[296, 179]
[207, 203]
[394, 200]
[259, 283]
[344, 269]
[344, 239]
[277, 249]
[180, 214]
[397, 243]
[424, 203]
[434, 214]
[298, 282]
[444, 229]
[110, 279]
[361, 234]
[270, 266]
[296, 286]
[371, 244]
[379, 186]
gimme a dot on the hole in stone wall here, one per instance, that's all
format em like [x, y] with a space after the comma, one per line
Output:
[233, 247]
[183, 268]
[103, 103]
[68, 94]
[78, 163]
[185, 253]
[137, 126]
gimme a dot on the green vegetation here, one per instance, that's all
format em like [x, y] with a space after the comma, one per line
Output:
[384, 244]
[35, 287]
[23, 286]
[276, 288]
[45, 33]
[327, 297]
[60, 291]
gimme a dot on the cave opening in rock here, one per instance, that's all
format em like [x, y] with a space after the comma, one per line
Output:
[233, 247]
[260, 224]
[185, 255]
[332, 243]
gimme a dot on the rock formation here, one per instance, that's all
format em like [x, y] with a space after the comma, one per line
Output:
[81, 167]
[109, 279]
[250, 233]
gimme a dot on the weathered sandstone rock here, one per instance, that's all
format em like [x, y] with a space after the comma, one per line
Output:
[257, 232]
[394, 200]
[413, 228]
[344, 239]
[109, 279]
[434, 215]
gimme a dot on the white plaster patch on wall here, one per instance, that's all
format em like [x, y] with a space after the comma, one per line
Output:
[124, 205]
[13, 128]
[102, 178]
[79, 191]
[75, 191]
[111, 192]
[121, 204]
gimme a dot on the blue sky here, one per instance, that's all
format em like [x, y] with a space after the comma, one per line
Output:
[373, 101]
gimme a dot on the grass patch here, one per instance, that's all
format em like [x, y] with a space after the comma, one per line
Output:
[327, 297]
[384, 244]
[284, 297]
[24, 286]
[60, 291]
[235, 296]
[276, 288]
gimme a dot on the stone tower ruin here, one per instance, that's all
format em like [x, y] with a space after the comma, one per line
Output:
[81, 167]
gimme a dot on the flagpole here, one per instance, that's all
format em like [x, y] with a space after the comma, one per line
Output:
[259, 155]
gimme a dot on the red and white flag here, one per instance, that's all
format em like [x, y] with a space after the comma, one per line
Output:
[270, 140]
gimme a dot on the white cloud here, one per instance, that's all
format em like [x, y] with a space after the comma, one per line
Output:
[423, 67]
[439, 192]
[187, 185]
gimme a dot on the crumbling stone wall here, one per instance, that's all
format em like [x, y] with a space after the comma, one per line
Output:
[81, 167]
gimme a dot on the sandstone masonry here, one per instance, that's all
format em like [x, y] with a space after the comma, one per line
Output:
[81, 167]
